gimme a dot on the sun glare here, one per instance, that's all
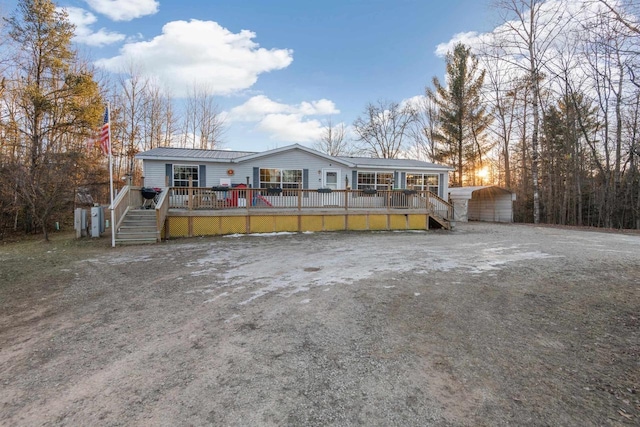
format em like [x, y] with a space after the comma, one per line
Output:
[483, 173]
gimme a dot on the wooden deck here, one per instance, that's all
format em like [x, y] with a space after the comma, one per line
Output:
[189, 212]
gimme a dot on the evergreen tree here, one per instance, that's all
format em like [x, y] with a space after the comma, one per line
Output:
[463, 119]
[57, 106]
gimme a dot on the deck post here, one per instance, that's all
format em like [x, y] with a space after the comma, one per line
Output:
[190, 194]
[299, 200]
[428, 204]
[346, 199]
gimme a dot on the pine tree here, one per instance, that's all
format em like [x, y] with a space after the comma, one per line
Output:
[57, 106]
[463, 119]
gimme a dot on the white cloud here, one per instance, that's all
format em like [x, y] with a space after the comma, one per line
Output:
[203, 53]
[290, 128]
[124, 10]
[284, 122]
[256, 108]
[83, 20]
[416, 102]
[469, 39]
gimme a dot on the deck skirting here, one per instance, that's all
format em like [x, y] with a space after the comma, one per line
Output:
[181, 223]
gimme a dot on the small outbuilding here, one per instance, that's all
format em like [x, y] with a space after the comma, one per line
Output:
[482, 203]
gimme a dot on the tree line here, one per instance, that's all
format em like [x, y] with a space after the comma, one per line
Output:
[546, 105]
[52, 101]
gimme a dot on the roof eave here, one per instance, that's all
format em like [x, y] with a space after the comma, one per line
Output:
[184, 159]
[293, 147]
[438, 168]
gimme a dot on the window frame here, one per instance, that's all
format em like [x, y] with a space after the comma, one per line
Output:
[281, 174]
[376, 184]
[424, 182]
[184, 182]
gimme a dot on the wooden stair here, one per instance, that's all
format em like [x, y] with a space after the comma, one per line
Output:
[138, 227]
[436, 221]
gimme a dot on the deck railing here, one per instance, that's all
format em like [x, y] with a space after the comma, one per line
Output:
[162, 209]
[127, 198]
[198, 198]
[440, 207]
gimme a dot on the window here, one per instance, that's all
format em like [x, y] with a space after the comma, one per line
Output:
[375, 180]
[183, 173]
[425, 181]
[281, 178]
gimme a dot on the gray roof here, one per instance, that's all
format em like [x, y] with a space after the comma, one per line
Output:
[395, 163]
[227, 156]
[190, 153]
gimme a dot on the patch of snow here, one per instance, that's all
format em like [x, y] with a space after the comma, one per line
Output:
[243, 267]
[232, 318]
[216, 297]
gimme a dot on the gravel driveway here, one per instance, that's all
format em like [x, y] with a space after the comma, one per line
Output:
[486, 325]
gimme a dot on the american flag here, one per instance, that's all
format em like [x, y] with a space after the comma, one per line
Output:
[104, 140]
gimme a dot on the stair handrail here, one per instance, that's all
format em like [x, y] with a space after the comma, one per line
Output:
[436, 202]
[128, 197]
[162, 209]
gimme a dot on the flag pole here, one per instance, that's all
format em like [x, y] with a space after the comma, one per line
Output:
[113, 225]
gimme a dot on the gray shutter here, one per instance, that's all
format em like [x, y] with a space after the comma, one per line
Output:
[403, 180]
[305, 181]
[441, 186]
[256, 177]
[354, 183]
[202, 174]
[168, 169]
[396, 179]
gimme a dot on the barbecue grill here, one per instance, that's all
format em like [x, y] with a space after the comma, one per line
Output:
[150, 196]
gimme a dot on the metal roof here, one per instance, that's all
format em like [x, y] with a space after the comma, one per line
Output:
[467, 192]
[190, 153]
[227, 156]
[393, 163]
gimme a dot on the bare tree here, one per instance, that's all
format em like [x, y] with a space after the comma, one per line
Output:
[133, 87]
[203, 125]
[384, 128]
[525, 41]
[333, 139]
[424, 128]
[160, 118]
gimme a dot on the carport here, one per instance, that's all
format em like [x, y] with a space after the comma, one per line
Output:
[482, 203]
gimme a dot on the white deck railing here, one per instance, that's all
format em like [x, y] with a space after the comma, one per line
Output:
[198, 198]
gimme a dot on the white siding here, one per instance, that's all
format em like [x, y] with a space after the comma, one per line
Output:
[155, 170]
[295, 159]
[154, 173]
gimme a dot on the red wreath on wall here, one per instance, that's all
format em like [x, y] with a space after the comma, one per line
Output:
[230, 172]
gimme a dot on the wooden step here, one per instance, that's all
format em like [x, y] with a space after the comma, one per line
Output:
[138, 227]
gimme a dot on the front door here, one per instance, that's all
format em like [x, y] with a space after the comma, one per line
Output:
[331, 178]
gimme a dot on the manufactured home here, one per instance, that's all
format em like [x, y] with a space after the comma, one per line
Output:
[290, 167]
[292, 188]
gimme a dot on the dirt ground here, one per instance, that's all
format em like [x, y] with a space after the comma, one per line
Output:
[486, 325]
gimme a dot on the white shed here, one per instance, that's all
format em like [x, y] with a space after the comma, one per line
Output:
[482, 203]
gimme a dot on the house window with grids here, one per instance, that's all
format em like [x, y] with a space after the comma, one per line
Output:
[375, 180]
[426, 181]
[183, 173]
[281, 178]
